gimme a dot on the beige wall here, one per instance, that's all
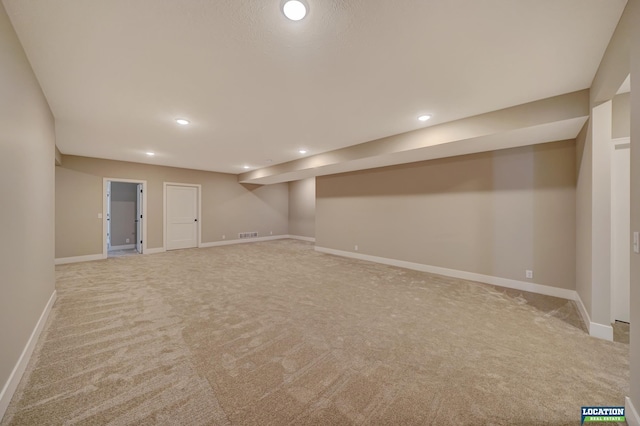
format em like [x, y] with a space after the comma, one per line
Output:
[124, 197]
[584, 176]
[302, 207]
[27, 157]
[227, 206]
[495, 213]
[78, 202]
[58, 157]
[621, 120]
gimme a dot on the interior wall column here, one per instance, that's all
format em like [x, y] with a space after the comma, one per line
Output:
[601, 223]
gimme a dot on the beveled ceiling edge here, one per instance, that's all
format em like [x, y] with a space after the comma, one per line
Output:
[559, 117]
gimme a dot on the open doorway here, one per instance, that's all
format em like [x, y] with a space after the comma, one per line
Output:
[124, 223]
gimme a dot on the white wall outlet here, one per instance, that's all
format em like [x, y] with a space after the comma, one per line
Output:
[355, 247]
[99, 215]
[126, 240]
[224, 237]
[636, 242]
[270, 232]
[528, 273]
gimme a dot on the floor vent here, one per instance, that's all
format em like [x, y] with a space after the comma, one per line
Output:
[248, 235]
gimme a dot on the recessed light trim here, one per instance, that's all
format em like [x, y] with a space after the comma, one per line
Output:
[246, 167]
[150, 154]
[424, 117]
[294, 10]
[182, 121]
[303, 151]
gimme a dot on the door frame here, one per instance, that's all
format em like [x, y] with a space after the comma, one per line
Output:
[139, 217]
[164, 210]
[107, 216]
[105, 252]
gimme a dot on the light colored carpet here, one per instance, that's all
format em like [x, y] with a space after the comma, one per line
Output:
[621, 332]
[275, 333]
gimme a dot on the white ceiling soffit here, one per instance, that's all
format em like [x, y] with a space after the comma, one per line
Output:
[258, 87]
[626, 86]
[551, 132]
[553, 119]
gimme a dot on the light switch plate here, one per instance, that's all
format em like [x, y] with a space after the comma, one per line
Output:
[636, 242]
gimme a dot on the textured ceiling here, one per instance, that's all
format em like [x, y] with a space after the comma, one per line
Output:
[258, 87]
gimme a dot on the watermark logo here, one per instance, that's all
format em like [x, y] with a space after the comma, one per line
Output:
[602, 414]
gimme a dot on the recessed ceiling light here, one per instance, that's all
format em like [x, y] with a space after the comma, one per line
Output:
[303, 151]
[294, 10]
[182, 121]
[246, 167]
[424, 117]
[151, 154]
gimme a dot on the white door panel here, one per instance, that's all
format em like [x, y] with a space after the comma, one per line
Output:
[182, 217]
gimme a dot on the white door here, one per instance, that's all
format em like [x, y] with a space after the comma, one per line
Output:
[182, 216]
[620, 232]
[139, 219]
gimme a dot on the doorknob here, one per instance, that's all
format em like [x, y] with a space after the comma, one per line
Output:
[195, 220]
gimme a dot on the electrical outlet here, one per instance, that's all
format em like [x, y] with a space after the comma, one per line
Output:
[356, 247]
[528, 273]
[99, 215]
[636, 242]
[270, 232]
[126, 240]
[224, 237]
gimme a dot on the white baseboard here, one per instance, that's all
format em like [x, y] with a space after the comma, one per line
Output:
[586, 319]
[630, 412]
[125, 247]
[598, 330]
[254, 240]
[470, 276]
[75, 259]
[242, 241]
[601, 331]
[301, 238]
[155, 250]
[14, 379]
